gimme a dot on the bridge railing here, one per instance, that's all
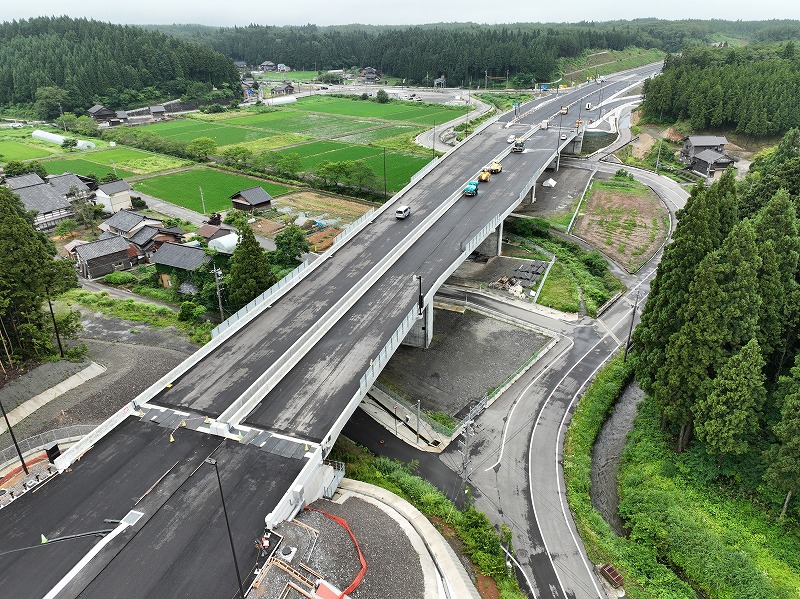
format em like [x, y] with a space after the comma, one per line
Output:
[354, 227]
[64, 434]
[266, 296]
[377, 364]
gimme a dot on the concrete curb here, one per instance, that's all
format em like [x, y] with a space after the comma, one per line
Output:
[37, 401]
[457, 582]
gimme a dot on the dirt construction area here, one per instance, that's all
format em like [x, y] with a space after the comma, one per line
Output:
[627, 225]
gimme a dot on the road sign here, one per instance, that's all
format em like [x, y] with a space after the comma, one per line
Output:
[516, 104]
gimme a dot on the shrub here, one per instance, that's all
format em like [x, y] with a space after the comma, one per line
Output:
[65, 227]
[138, 203]
[529, 227]
[119, 278]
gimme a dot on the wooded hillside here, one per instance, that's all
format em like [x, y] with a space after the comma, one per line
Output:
[82, 62]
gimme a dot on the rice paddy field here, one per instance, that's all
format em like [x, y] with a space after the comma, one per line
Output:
[126, 162]
[183, 188]
[14, 150]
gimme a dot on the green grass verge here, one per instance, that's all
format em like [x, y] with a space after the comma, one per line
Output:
[183, 188]
[692, 518]
[560, 290]
[645, 577]
[480, 539]
[129, 309]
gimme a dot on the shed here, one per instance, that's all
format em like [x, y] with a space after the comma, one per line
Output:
[254, 198]
[158, 112]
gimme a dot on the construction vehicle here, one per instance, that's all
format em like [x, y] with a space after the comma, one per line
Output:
[564, 109]
[485, 175]
[495, 167]
[519, 145]
[471, 189]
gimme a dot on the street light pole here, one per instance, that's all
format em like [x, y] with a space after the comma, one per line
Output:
[433, 148]
[213, 462]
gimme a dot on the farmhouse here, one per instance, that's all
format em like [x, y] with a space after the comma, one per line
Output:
[114, 196]
[705, 154]
[126, 223]
[268, 66]
[104, 256]
[51, 199]
[101, 114]
[255, 198]
[284, 89]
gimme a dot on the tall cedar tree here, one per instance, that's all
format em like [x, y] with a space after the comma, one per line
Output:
[25, 268]
[705, 221]
[250, 273]
[779, 247]
[784, 457]
[729, 413]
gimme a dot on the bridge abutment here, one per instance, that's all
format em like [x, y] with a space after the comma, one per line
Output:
[493, 244]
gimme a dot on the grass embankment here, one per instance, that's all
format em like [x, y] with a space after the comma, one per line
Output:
[593, 63]
[666, 160]
[680, 521]
[644, 576]
[480, 540]
[700, 523]
[129, 309]
[576, 276]
[505, 101]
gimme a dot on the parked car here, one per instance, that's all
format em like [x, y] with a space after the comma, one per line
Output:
[495, 167]
[485, 175]
[402, 212]
[510, 139]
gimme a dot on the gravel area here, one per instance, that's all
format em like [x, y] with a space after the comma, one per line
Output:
[36, 381]
[135, 356]
[446, 376]
[393, 568]
[555, 202]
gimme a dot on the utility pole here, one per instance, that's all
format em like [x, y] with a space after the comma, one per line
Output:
[463, 449]
[55, 326]
[658, 158]
[203, 201]
[216, 272]
[486, 79]
[433, 148]
[384, 173]
[630, 330]
[418, 421]
[213, 462]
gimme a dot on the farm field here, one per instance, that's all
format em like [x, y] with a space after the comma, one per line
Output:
[128, 162]
[15, 150]
[223, 135]
[81, 166]
[183, 188]
[425, 114]
[399, 167]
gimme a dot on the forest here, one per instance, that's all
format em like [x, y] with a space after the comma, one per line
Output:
[717, 347]
[753, 89]
[76, 63]
[465, 52]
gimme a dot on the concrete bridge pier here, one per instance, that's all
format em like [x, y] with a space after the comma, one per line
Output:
[530, 197]
[493, 244]
[421, 333]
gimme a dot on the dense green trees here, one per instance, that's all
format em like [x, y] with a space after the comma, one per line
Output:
[28, 273]
[250, 274]
[753, 90]
[59, 63]
[720, 328]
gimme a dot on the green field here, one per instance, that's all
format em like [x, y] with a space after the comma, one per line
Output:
[14, 150]
[128, 162]
[399, 167]
[314, 125]
[425, 114]
[183, 188]
[223, 135]
[81, 166]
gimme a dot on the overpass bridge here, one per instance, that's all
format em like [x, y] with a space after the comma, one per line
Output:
[269, 395]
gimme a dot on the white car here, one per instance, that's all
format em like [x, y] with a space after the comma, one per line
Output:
[510, 139]
[563, 137]
[402, 212]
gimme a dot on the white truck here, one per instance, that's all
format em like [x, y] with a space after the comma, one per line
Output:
[544, 124]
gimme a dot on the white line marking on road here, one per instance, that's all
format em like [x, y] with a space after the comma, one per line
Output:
[521, 395]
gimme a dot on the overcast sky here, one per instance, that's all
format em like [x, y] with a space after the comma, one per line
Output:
[405, 12]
